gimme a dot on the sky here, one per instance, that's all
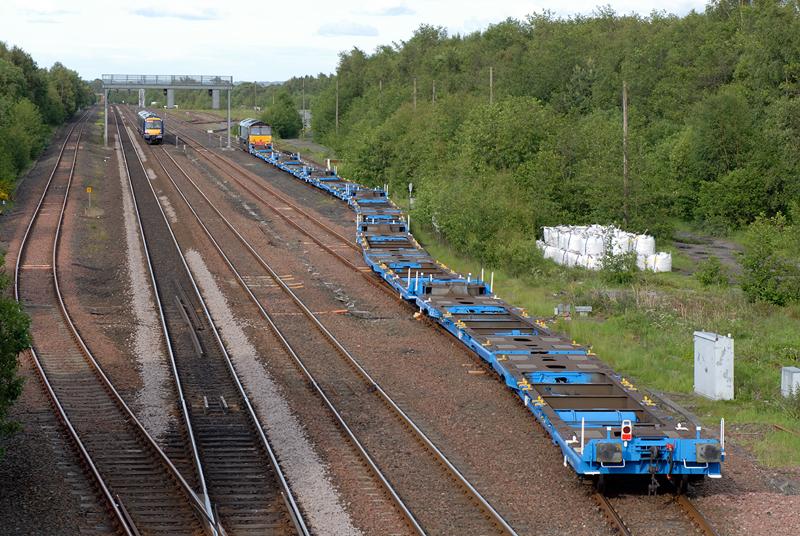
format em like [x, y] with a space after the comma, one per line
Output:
[264, 41]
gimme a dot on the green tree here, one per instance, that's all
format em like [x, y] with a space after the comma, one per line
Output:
[283, 117]
[14, 338]
[714, 121]
[770, 262]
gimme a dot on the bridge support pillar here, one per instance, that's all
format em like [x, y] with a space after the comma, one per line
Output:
[105, 117]
[141, 98]
[170, 98]
[215, 99]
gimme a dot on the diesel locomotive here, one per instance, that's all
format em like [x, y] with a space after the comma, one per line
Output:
[254, 133]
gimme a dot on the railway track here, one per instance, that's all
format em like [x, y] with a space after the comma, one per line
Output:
[681, 505]
[627, 516]
[438, 497]
[252, 183]
[142, 489]
[245, 482]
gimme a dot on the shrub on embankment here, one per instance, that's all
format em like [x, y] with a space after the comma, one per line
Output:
[32, 101]
[713, 123]
[14, 338]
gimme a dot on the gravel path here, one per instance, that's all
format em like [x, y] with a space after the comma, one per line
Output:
[307, 474]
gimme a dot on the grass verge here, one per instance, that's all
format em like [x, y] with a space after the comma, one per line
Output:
[645, 332]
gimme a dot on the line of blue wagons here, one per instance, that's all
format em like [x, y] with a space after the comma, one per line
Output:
[603, 423]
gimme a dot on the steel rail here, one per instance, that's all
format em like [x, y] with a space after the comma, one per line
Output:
[611, 513]
[406, 512]
[213, 159]
[365, 272]
[124, 523]
[695, 515]
[459, 477]
[118, 509]
[293, 508]
[269, 189]
[198, 465]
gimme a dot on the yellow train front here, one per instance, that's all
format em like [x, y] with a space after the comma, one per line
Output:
[151, 127]
[255, 133]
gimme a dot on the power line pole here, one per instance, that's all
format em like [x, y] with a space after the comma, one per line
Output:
[229, 118]
[254, 94]
[337, 106]
[491, 85]
[433, 101]
[625, 152]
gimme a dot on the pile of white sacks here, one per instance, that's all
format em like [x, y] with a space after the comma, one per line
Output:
[585, 246]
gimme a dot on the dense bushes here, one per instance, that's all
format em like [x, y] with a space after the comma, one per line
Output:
[14, 338]
[283, 117]
[772, 260]
[31, 101]
[714, 121]
[711, 272]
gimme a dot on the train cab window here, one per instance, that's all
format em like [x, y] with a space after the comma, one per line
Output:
[154, 124]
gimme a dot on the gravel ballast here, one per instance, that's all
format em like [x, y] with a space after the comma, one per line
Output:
[305, 471]
[147, 343]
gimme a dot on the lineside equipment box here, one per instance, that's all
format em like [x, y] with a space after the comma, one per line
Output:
[713, 365]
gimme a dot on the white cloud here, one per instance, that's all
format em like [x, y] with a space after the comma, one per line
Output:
[342, 28]
[283, 39]
[393, 11]
[154, 13]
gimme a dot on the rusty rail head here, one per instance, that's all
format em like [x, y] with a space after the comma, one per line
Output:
[286, 492]
[695, 515]
[499, 521]
[611, 514]
[122, 520]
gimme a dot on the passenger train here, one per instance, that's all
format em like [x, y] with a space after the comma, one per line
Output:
[151, 127]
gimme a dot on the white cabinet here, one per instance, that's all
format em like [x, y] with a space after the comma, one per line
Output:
[713, 365]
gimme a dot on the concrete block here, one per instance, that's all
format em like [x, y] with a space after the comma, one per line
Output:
[790, 381]
[713, 365]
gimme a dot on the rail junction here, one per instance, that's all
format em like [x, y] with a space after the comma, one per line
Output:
[228, 476]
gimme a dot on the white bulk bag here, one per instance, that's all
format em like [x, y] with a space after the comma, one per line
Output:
[593, 262]
[577, 242]
[645, 245]
[594, 245]
[620, 243]
[662, 262]
[641, 262]
[570, 259]
[563, 238]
